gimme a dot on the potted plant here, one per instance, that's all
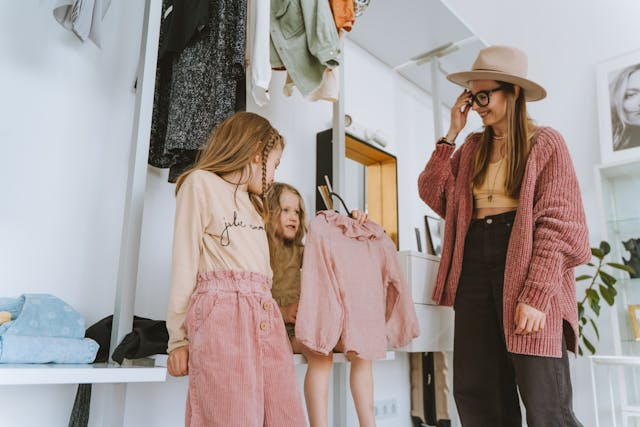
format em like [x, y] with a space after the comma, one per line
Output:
[602, 287]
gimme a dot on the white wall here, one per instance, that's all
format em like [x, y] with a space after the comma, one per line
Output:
[65, 132]
[565, 40]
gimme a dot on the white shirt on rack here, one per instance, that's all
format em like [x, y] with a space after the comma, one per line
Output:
[259, 65]
[83, 17]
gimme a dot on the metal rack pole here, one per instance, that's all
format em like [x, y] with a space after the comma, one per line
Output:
[134, 200]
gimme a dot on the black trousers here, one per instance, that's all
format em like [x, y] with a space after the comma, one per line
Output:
[486, 377]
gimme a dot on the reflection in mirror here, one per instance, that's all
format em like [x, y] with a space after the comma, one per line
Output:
[370, 180]
[355, 190]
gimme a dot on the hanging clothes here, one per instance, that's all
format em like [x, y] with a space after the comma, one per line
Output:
[258, 62]
[82, 17]
[182, 20]
[430, 391]
[353, 290]
[304, 40]
[329, 89]
[199, 87]
[344, 14]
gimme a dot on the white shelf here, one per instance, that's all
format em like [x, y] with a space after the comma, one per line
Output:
[299, 359]
[16, 374]
[624, 168]
[616, 360]
[632, 410]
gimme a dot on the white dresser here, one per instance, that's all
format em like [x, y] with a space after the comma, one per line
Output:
[436, 322]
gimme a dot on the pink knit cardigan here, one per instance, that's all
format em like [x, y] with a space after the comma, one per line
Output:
[548, 239]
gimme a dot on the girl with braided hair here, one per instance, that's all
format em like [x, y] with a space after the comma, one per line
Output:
[225, 329]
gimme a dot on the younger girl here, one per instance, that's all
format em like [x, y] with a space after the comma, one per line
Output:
[286, 227]
[224, 327]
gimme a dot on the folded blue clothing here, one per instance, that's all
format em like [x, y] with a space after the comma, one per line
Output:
[21, 349]
[41, 315]
[12, 305]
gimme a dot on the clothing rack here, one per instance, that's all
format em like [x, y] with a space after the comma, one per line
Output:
[326, 193]
[134, 200]
[338, 155]
[344, 205]
[134, 203]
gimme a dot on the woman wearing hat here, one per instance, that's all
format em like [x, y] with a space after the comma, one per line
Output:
[514, 230]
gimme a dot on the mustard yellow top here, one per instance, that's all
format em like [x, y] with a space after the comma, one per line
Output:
[286, 261]
[492, 193]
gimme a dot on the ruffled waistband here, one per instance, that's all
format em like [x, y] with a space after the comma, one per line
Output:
[231, 280]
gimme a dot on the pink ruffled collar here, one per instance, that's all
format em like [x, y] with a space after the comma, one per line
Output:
[351, 228]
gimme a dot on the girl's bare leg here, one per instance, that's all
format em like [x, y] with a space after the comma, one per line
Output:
[361, 381]
[316, 386]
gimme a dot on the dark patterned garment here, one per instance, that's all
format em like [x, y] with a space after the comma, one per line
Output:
[198, 88]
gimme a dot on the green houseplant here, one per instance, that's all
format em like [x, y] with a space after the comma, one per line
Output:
[602, 287]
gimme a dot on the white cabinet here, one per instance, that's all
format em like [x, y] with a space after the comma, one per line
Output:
[618, 189]
[436, 322]
[420, 270]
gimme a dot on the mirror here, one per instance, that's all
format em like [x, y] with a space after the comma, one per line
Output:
[371, 178]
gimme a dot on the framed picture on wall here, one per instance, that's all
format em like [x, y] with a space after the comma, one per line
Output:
[618, 84]
[432, 227]
[634, 313]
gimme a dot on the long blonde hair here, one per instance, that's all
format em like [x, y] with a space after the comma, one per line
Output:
[231, 147]
[273, 211]
[517, 143]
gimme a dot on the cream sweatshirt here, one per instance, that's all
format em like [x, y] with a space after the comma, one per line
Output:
[216, 228]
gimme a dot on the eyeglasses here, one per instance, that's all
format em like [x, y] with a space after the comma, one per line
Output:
[482, 98]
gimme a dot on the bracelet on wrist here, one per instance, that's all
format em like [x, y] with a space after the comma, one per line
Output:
[444, 140]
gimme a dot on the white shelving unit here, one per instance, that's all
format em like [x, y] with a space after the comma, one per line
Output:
[436, 322]
[22, 374]
[618, 185]
[614, 362]
[299, 359]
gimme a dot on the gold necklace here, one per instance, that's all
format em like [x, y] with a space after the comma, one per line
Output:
[495, 177]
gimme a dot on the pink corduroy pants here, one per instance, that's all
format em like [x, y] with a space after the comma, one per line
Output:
[241, 370]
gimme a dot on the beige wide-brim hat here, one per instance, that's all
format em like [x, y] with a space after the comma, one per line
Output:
[502, 63]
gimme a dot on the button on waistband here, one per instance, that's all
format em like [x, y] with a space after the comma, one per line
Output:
[489, 221]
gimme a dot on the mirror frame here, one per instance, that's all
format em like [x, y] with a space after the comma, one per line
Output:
[382, 178]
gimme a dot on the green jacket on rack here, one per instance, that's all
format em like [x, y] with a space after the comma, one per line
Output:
[304, 40]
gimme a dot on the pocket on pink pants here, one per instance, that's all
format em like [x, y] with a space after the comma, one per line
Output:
[202, 306]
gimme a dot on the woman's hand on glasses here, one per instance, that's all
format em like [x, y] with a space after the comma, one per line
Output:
[459, 113]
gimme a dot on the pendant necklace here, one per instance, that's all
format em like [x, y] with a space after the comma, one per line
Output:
[495, 177]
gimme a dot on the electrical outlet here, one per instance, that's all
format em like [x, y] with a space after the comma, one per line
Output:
[387, 408]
